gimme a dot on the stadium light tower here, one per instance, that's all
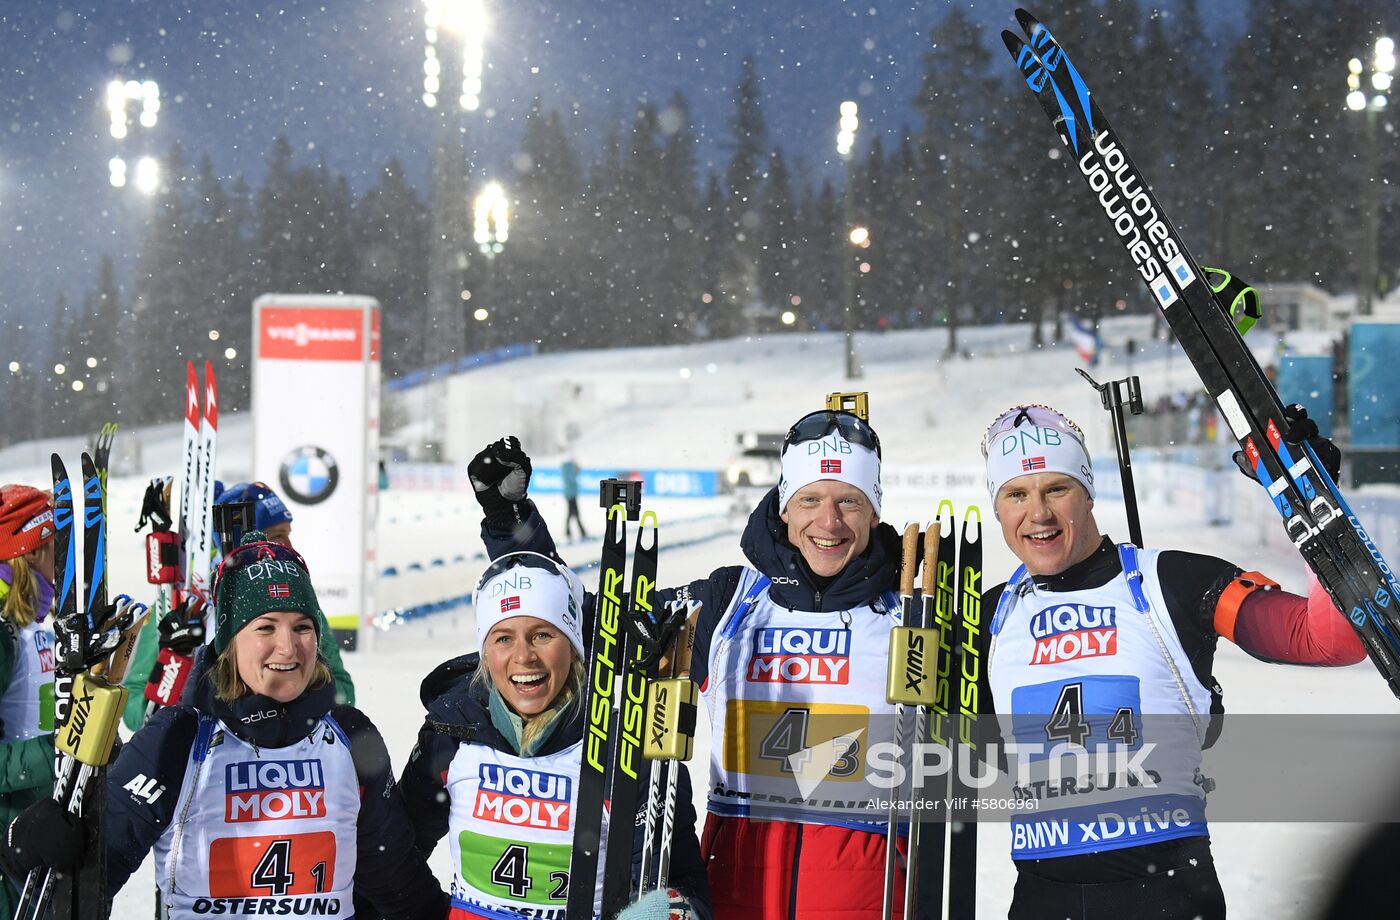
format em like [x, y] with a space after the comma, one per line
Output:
[492, 219]
[465, 19]
[454, 35]
[491, 229]
[845, 148]
[124, 96]
[1369, 93]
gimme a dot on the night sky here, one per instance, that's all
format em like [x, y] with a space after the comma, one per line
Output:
[342, 78]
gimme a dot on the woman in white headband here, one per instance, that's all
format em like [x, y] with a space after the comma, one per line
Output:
[497, 763]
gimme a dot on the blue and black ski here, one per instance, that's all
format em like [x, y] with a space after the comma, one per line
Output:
[92, 648]
[1315, 515]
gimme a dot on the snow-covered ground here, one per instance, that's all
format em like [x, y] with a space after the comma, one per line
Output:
[682, 406]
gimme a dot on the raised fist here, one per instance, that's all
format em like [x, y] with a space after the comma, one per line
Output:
[500, 476]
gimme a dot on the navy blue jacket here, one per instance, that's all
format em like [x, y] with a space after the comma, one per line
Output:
[458, 714]
[143, 788]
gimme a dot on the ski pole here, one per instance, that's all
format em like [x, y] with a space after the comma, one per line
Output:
[656, 723]
[87, 740]
[932, 875]
[924, 621]
[905, 672]
[1111, 394]
[670, 738]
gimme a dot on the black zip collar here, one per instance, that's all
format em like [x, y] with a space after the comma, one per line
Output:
[1094, 572]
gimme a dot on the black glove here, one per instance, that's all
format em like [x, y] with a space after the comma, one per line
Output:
[44, 835]
[182, 629]
[1299, 428]
[500, 474]
[155, 506]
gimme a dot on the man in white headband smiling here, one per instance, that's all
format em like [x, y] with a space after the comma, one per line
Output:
[1085, 627]
[829, 493]
[803, 627]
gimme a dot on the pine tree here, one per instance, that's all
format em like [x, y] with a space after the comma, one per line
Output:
[744, 178]
[219, 256]
[777, 259]
[238, 286]
[953, 100]
[58, 395]
[822, 245]
[549, 288]
[639, 258]
[899, 277]
[1292, 141]
[678, 216]
[165, 292]
[390, 233]
[274, 236]
[102, 393]
[607, 197]
[719, 315]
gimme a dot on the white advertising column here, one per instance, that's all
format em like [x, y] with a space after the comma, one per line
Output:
[316, 436]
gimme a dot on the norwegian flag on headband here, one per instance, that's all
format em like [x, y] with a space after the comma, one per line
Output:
[510, 603]
[1032, 463]
[831, 466]
[279, 591]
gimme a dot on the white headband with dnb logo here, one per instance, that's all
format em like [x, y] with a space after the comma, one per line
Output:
[830, 457]
[1036, 449]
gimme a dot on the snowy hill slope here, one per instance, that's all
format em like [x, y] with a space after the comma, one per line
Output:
[682, 407]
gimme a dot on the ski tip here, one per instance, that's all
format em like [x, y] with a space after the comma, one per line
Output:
[972, 517]
[1013, 43]
[1028, 22]
[943, 504]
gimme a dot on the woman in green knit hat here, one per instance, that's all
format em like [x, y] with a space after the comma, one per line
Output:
[257, 787]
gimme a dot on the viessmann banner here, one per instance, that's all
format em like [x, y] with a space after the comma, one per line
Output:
[316, 438]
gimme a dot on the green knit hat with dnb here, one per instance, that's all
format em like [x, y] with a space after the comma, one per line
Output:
[257, 578]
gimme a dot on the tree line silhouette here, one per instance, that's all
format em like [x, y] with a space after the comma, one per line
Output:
[974, 213]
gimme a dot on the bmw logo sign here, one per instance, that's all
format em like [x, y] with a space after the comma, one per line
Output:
[309, 475]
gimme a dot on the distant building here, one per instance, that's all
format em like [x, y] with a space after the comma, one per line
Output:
[1301, 307]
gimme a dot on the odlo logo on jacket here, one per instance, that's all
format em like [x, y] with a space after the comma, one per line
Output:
[1069, 631]
[524, 798]
[274, 790]
[801, 656]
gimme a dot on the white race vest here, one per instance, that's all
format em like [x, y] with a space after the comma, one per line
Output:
[262, 831]
[1093, 669]
[27, 704]
[791, 694]
[511, 826]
